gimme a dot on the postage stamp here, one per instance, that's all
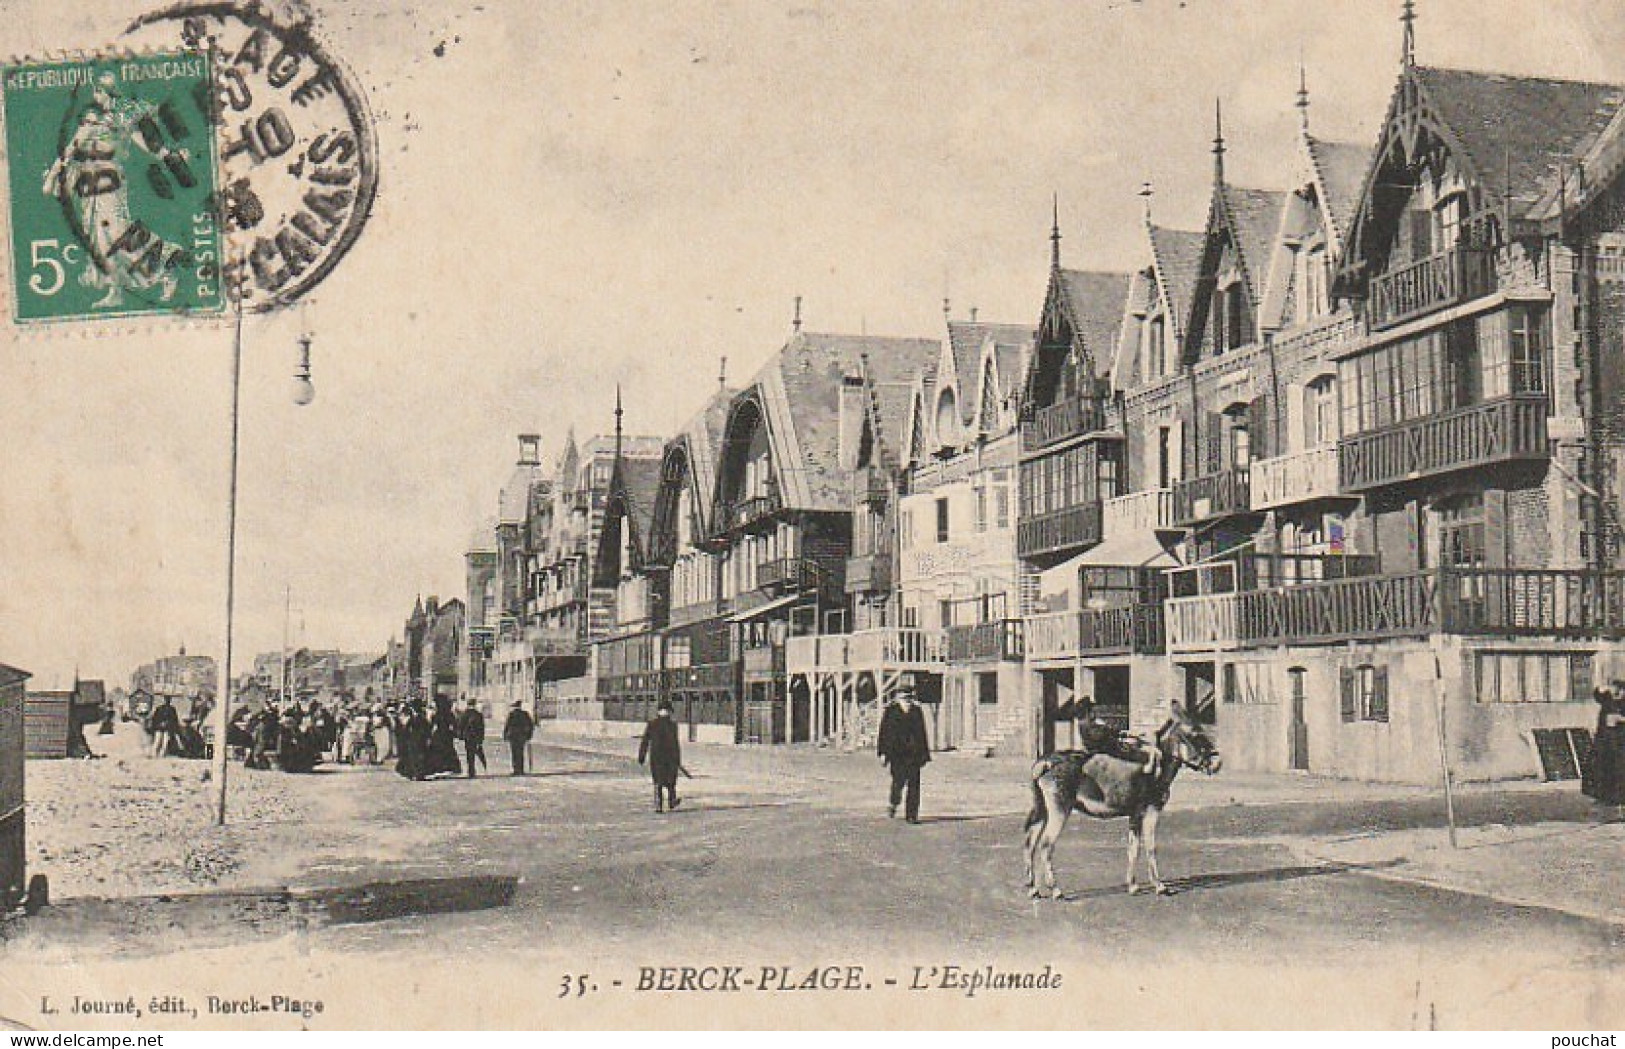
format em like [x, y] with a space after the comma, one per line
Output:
[297, 146]
[112, 187]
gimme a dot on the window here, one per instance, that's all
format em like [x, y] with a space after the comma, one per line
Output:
[942, 520]
[981, 509]
[1153, 348]
[1311, 277]
[1461, 532]
[1533, 677]
[905, 529]
[1234, 333]
[1320, 412]
[945, 613]
[1001, 505]
[1165, 457]
[1364, 693]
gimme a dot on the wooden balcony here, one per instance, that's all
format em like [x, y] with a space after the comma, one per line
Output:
[1498, 431]
[1132, 628]
[1059, 530]
[869, 574]
[986, 642]
[1434, 283]
[1300, 477]
[787, 574]
[1053, 635]
[1138, 512]
[1213, 495]
[892, 648]
[747, 512]
[1482, 602]
[1059, 421]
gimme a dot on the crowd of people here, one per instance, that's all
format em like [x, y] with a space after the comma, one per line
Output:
[422, 740]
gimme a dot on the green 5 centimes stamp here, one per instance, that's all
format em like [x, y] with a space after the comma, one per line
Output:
[112, 181]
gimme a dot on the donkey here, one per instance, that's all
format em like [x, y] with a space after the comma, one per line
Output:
[1105, 786]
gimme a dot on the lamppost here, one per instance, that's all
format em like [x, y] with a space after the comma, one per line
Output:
[303, 393]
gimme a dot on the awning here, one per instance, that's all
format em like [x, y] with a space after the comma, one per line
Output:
[1138, 549]
[760, 610]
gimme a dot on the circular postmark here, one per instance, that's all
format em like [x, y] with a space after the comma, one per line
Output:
[298, 152]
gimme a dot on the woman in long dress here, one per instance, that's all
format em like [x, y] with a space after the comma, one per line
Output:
[413, 735]
[442, 756]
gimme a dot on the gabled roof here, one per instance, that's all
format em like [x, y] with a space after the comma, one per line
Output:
[1094, 303]
[1253, 216]
[966, 340]
[1519, 131]
[800, 394]
[1339, 169]
[513, 503]
[483, 539]
[1177, 256]
[637, 483]
[10, 675]
[701, 438]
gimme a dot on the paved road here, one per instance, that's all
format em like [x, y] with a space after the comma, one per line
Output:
[775, 859]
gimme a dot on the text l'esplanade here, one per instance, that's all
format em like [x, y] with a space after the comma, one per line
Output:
[53, 78]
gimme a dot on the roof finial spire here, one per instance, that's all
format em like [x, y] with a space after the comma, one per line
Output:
[1408, 52]
[945, 307]
[1218, 140]
[1146, 193]
[795, 325]
[1303, 96]
[618, 413]
[722, 374]
[1055, 231]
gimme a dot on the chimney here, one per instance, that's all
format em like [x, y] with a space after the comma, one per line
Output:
[530, 449]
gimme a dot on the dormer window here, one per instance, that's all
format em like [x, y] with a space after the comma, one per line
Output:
[1228, 317]
[1312, 279]
[1154, 345]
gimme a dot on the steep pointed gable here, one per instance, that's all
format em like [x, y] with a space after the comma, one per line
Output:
[1519, 132]
[1177, 260]
[969, 340]
[1339, 170]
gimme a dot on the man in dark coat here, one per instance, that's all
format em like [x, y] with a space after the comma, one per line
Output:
[905, 748]
[664, 755]
[471, 730]
[1603, 780]
[517, 730]
[165, 725]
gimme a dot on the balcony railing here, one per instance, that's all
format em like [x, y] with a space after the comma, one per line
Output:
[1296, 478]
[1138, 512]
[1212, 495]
[984, 642]
[1132, 628]
[788, 573]
[746, 512]
[711, 677]
[1057, 422]
[1450, 277]
[1497, 431]
[1472, 601]
[1053, 635]
[895, 647]
[1064, 529]
[871, 573]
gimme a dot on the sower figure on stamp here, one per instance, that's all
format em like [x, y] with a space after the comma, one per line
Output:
[905, 748]
[517, 730]
[471, 730]
[664, 755]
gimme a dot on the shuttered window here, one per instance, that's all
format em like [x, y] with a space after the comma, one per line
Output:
[1363, 693]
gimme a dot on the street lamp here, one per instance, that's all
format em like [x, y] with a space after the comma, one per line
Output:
[303, 393]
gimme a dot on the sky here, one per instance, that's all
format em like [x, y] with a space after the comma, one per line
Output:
[574, 195]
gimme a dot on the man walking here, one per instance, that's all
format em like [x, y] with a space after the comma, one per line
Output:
[517, 730]
[664, 755]
[905, 748]
[471, 730]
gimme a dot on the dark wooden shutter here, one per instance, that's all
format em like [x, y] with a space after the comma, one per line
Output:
[1379, 694]
[1346, 685]
[1580, 677]
[1258, 428]
[1215, 443]
[1495, 529]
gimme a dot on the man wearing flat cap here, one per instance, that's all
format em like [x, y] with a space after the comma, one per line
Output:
[905, 748]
